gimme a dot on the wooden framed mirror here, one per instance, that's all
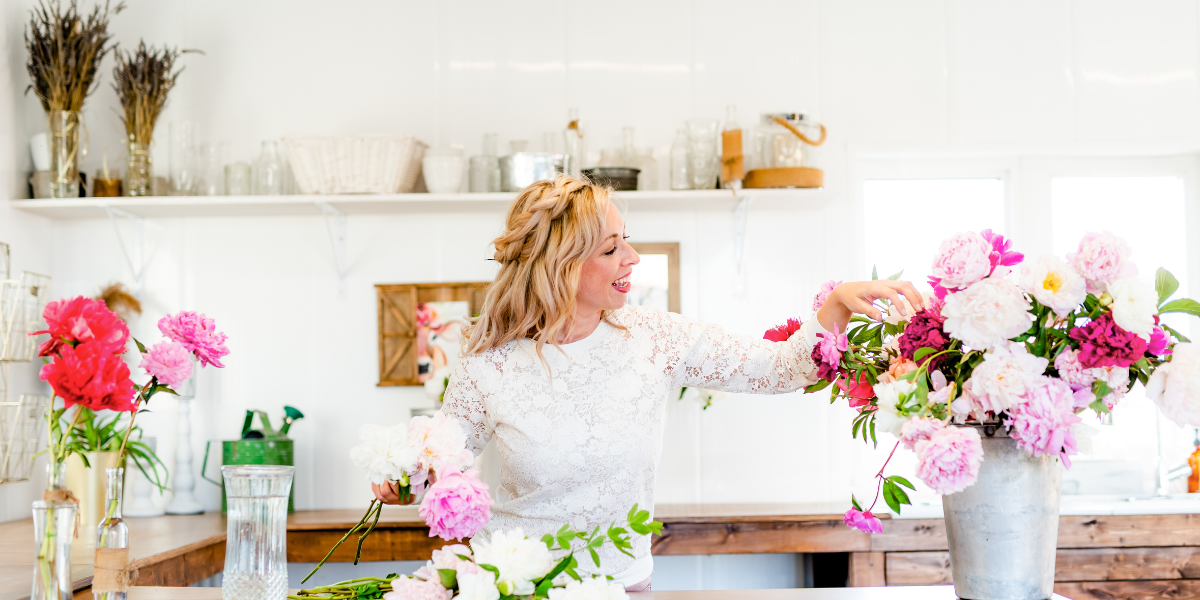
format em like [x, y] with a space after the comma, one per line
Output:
[656, 278]
[420, 327]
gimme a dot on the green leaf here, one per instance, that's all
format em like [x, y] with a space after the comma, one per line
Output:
[900, 495]
[1099, 407]
[874, 273]
[632, 512]
[1183, 305]
[142, 348]
[922, 353]
[1165, 284]
[854, 502]
[595, 557]
[549, 541]
[818, 386]
[562, 565]
[902, 481]
[492, 569]
[1178, 336]
[896, 276]
[543, 588]
[890, 497]
[449, 578]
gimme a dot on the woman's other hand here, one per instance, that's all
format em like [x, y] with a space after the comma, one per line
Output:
[859, 297]
[388, 493]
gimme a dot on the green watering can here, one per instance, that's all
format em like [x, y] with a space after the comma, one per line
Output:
[263, 446]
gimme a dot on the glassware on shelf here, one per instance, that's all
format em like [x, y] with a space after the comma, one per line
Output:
[776, 145]
[574, 150]
[443, 170]
[210, 177]
[484, 173]
[181, 158]
[518, 146]
[628, 151]
[65, 153]
[612, 157]
[237, 179]
[111, 578]
[268, 171]
[53, 531]
[106, 183]
[703, 158]
[681, 177]
[732, 163]
[648, 175]
[139, 170]
[550, 142]
[256, 538]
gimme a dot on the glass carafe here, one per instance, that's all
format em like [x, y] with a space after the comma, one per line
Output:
[53, 530]
[268, 171]
[65, 153]
[111, 578]
[703, 157]
[256, 538]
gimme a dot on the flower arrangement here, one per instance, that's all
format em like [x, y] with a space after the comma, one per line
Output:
[428, 456]
[506, 566]
[1026, 354]
[65, 51]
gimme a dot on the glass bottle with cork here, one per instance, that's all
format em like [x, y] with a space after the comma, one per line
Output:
[733, 165]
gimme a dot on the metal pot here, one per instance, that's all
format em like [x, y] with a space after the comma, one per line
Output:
[519, 170]
[1003, 531]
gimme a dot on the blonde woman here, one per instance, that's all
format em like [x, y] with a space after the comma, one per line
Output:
[571, 384]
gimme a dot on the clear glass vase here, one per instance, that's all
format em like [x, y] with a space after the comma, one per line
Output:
[139, 171]
[111, 578]
[64, 153]
[256, 538]
[268, 171]
[53, 530]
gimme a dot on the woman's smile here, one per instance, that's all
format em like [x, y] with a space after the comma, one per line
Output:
[622, 285]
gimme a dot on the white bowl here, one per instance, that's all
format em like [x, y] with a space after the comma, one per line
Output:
[443, 174]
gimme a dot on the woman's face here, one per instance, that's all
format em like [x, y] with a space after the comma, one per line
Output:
[604, 282]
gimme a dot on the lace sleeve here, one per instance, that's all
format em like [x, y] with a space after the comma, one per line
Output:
[464, 402]
[702, 355]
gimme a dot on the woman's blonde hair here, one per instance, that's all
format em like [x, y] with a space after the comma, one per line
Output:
[550, 231]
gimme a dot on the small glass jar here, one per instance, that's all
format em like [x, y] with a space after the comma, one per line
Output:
[65, 152]
[704, 158]
[139, 170]
[775, 145]
[111, 579]
[237, 179]
[484, 170]
[268, 171]
[53, 531]
[681, 178]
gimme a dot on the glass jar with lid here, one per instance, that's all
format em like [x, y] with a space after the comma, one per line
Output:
[786, 140]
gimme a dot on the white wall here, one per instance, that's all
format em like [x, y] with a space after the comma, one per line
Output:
[928, 77]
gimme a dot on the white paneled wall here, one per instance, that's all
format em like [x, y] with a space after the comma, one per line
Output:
[935, 76]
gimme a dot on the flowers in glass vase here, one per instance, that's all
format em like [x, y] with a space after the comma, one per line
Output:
[1027, 355]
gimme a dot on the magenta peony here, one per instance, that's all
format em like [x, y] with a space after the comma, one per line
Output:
[860, 392]
[924, 331]
[1042, 425]
[1102, 258]
[407, 587]
[78, 320]
[1160, 341]
[781, 333]
[828, 353]
[91, 375]
[823, 294]
[918, 429]
[457, 506]
[1001, 254]
[167, 361]
[863, 520]
[949, 460]
[961, 260]
[1104, 344]
[198, 334]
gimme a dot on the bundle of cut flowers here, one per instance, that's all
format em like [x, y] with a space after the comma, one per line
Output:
[1023, 352]
[509, 565]
[427, 456]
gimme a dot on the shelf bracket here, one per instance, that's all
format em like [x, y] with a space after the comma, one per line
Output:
[134, 248]
[335, 223]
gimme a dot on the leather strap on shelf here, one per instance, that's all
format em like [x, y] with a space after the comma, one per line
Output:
[800, 134]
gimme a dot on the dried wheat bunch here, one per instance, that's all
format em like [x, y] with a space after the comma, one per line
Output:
[142, 80]
[65, 50]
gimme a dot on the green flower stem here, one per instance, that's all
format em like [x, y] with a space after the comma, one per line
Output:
[372, 510]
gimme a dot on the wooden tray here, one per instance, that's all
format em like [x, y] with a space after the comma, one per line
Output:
[785, 177]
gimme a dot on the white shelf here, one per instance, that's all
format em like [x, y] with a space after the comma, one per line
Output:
[377, 204]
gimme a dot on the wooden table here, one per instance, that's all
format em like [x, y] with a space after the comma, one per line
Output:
[940, 592]
[1109, 557]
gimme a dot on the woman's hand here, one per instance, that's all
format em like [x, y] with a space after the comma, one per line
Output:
[860, 296]
[388, 493]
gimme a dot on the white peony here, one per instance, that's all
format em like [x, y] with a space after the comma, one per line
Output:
[1054, 283]
[888, 418]
[987, 314]
[477, 586]
[1135, 302]
[519, 560]
[384, 454]
[1006, 373]
[597, 588]
[441, 443]
[1175, 386]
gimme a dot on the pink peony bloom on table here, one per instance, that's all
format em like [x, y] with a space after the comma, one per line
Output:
[1175, 386]
[198, 334]
[407, 587]
[823, 294]
[949, 460]
[860, 391]
[168, 361]
[457, 506]
[448, 557]
[91, 375]
[962, 260]
[1101, 259]
[77, 320]
[1160, 341]
[919, 429]
[1001, 254]
[781, 333]
[1004, 376]
[1042, 425]
[1102, 343]
[441, 444]
[863, 520]
[925, 331]
[987, 314]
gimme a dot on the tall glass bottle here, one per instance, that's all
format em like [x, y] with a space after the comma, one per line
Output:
[574, 150]
[681, 178]
[268, 171]
[53, 530]
[112, 542]
[732, 159]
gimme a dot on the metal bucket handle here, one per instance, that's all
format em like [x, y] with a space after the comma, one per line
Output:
[204, 464]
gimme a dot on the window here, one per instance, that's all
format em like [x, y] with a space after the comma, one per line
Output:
[907, 219]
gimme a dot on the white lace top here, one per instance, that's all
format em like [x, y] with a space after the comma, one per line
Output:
[584, 447]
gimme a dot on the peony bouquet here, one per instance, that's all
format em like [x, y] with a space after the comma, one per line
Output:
[428, 456]
[1026, 351]
[506, 566]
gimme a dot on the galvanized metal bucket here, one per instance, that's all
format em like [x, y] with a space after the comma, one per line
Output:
[1003, 531]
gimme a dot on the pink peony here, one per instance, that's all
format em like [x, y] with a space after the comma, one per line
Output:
[1160, 341]
[449, 557]
[78, 320]
[949, 460]
[961, 260]
[411, 588]
[781, 333]
[1102, 343]
[823, 294]
[1004, 376]
[457, 506]
[1070, 370]
[925, 331]
[828, 353]
[1102, 258]
[860, 392]
[441, 445]
[1001, 254]
[167, 361]
[198, 334]
[918, 429]
[91, 375]
[987, 314]
[1042, 424]
[863, 520]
